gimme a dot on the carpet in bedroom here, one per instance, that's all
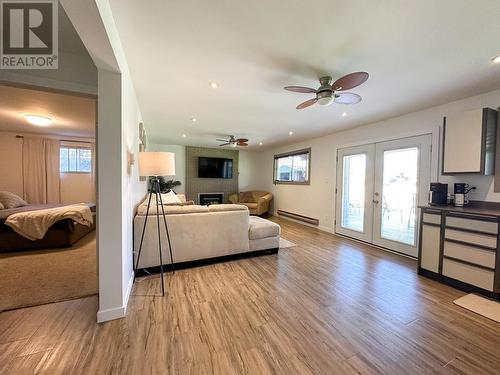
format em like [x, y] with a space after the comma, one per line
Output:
[31, 278]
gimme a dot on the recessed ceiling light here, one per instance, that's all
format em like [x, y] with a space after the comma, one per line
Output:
[496, 59]
[213, 84]
[184, 136]
[38, 120]
[344, 114]
[260, 143]
[290, 132]
[193, 119]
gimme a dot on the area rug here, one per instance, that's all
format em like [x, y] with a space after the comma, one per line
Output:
[480, 305]
[285, 244]
[31, 278]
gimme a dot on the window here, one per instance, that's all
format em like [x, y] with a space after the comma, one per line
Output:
[75, 159]
[292, 167]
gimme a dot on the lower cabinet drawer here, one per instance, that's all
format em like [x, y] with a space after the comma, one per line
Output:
[468, 274]
[472, 238]
[471, 254]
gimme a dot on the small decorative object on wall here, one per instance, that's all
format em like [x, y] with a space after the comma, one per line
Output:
[143, 140]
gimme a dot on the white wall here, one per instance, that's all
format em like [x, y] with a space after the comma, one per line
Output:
[180, 162]
[74, 188]
[250, 171]
[77, 188]
[318, 199]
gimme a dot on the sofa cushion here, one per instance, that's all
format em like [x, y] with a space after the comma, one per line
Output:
[246, 197]
[174, 209]
[227, 207]
[262, 228]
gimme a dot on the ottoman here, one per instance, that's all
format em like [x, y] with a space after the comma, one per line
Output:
[263, 234]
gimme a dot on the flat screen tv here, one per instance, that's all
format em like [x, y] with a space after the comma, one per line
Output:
[215, 167]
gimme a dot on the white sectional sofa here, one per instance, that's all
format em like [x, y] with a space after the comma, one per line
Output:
[202, 232]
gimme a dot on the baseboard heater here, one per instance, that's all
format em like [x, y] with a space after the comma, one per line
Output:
[298, 217]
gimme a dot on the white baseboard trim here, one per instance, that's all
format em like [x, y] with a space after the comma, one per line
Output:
[117, 312]
[111, 314]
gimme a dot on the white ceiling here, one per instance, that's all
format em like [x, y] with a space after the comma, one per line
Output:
[418, 53]
[72, 115]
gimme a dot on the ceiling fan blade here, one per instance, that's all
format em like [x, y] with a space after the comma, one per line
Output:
[242, 144]
[306, 90]
[307, 103]
[347, 98]
[242, 140]
[225, 144]
[222, 140]
[349, 81]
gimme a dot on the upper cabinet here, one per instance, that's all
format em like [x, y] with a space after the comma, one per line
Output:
[469, 142]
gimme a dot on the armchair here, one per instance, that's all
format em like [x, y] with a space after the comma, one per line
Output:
[256, 201]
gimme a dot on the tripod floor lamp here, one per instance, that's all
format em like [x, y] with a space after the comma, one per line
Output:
[156, 164]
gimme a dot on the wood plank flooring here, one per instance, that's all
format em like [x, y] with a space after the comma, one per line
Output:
[326, 306]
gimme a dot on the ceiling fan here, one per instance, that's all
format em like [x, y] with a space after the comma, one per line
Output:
[329, 92]
[233, 142]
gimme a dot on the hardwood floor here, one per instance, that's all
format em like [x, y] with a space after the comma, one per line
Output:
[326, 306]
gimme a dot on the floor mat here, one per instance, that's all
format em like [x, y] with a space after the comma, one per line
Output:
[480, 305]
[284, 244]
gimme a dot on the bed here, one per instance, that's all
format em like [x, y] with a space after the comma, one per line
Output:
[63, 233]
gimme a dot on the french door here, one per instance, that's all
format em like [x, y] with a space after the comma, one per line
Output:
[379, 187]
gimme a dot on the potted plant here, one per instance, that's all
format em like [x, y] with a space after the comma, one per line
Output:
[165, 185]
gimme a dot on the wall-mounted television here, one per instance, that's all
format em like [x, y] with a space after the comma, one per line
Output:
[215, 167]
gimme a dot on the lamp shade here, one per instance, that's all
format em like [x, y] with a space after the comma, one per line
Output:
[156, 163]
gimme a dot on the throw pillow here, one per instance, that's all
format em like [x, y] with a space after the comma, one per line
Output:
[170, 198]
[246, 197]
[11, 200]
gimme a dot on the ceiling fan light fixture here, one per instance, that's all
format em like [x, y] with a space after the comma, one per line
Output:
[496, 59]
[325, 97]
[325, 101]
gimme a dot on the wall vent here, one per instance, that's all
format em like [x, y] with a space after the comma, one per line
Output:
[298, 217]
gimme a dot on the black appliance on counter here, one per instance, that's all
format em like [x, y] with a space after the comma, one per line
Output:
[438, 194]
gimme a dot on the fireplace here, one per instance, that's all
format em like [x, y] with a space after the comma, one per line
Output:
[210, 198]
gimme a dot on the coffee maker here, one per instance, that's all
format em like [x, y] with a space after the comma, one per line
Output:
[438, 194]
[460, 190]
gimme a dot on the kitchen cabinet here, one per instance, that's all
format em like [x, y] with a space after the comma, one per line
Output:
[460, 246]
[469, 142]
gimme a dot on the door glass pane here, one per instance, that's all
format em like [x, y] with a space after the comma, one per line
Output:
[353, 192]
[399, 195]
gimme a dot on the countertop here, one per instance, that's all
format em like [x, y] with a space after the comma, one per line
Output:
[474, 207]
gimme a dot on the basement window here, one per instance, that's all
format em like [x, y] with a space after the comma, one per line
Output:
[74, 159]
[293, 167]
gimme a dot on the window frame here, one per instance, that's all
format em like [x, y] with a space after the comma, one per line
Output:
[78, 147]
[293, 153]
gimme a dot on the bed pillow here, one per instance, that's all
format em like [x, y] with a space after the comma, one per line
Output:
[11, 200]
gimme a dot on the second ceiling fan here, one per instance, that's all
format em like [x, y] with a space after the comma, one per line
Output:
[329, 92]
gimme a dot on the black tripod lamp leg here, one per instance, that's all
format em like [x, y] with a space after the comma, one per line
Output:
[158, 197]
[142, 236]
[168, 235]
